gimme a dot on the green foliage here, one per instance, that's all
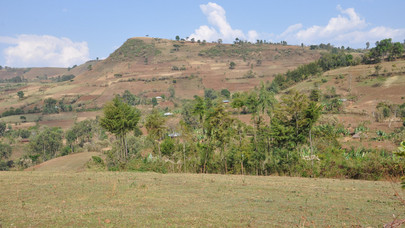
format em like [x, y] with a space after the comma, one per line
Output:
[134, 48]
[384, 48]
[225, 93]
[46, 143]
[130, 98]
[315, 95]
[154, 101]
[210, 94]
[24, 133]
[119, 119]
[167, 146]
[20, 94]
[12, 111]
[5, 151]
[64, 78]
[232, 65]
[50, 106]
[97, 160]
[3, 127]
[329, 61]
[155, 125]
[145, 165]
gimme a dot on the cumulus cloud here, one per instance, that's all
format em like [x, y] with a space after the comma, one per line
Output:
[220, 27]
[43, 51]
[347, 28]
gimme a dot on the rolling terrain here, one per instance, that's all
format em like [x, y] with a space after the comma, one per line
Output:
[150, 67]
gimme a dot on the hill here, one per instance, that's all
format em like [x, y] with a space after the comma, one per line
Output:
[72, 162]
[148, 67]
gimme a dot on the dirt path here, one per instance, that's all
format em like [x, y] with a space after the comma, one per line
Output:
[390, 80]
[72, 162]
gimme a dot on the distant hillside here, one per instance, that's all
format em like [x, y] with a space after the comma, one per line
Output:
[148, 67]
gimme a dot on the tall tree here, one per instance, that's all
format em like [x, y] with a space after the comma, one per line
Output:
[155, 124]
[119, 119]
[312, 114]
[218, 124]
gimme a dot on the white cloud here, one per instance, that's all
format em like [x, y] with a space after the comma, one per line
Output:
[220, 28]
[291, 29]
[45, 50]
[348, 28]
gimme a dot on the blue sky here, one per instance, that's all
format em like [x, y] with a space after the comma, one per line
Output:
[64, 33]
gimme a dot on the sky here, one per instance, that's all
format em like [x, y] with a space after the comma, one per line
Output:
[62, 33]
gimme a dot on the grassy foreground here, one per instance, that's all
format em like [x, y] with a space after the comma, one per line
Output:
[120, 199]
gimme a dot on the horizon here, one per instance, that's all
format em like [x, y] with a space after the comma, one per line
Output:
[63, 34]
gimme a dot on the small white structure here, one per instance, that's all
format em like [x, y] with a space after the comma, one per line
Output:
[174, 135]
[225, 101]
[158, 97]
[168, 114]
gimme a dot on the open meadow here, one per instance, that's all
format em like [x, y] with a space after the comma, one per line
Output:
[127, 199]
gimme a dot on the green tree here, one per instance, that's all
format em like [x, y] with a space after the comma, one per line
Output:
[199, 108]
[396, 51]
[3, 127]
[50, 106]
[20, 94]
[5, 151]
[154, 101]
[226, 93]
[71, 138]
[167, 146]
[312, 114]
[238, 101]
[119, 119]
[178, 38]
[315, 95]
[155, 125]
[232, 65]
[218, 123]
[23, 119]
[47, 142]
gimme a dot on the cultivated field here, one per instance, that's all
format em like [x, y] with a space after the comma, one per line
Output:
[120, 199]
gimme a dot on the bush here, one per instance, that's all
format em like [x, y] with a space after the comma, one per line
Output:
[98, 160]
[143, 165]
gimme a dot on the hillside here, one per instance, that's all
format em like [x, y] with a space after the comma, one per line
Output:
[361, 91]
[73, 162]
[149, 66]
[178, 70]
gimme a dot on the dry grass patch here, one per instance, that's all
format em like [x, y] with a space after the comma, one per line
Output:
[190, 200]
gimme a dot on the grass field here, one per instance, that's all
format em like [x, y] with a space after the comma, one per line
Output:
[120, 199]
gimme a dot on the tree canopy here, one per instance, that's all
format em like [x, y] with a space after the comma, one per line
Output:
[119, 119]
